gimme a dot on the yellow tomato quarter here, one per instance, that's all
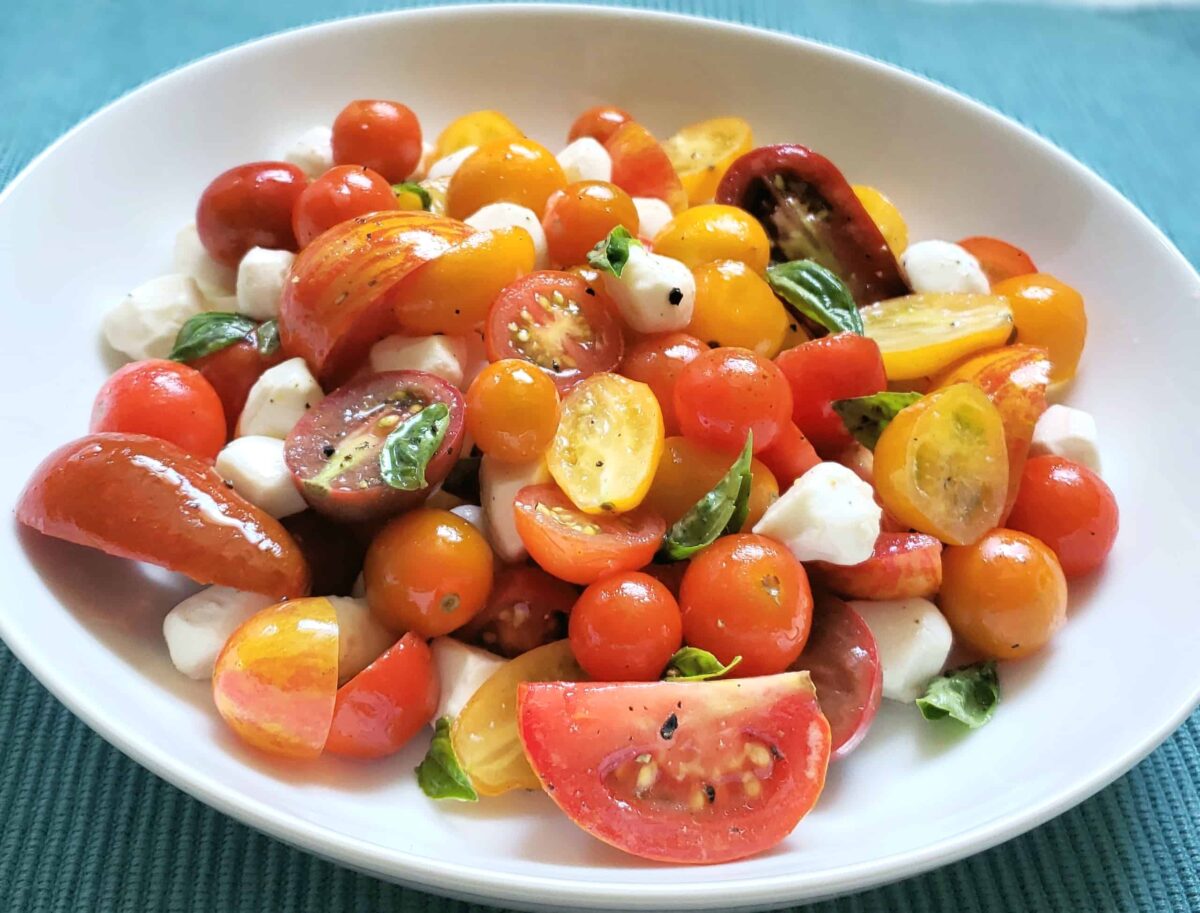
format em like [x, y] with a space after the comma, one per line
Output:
[703, 152]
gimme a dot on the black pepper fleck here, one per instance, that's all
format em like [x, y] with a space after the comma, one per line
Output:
[591, 291]
[710, 793]
[329, 450]
[668, 728]
[675, 296]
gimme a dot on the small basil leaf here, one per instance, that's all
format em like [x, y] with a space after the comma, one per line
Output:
[210, 332]
[409, 448]
[417, 190]
[266, 338]
[816, 293]
[969, 694]
[865, 417]
[691, 664]
[715, 513]
[440, 776]
[611, 254]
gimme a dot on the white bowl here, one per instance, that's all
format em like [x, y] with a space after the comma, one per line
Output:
[97, 212]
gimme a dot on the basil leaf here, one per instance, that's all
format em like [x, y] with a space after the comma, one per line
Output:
[409, 448]
[715, 513]
[210, 332]
[816, 293]
[691, 664]
[865, 417]
[417, 190]
[266, 338]
[611, 254]
[969, 695]
[440, 776]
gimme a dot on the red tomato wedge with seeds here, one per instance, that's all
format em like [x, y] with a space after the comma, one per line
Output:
[683, 772]
[902, 566]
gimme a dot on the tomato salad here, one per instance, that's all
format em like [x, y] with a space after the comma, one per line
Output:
[641, 472]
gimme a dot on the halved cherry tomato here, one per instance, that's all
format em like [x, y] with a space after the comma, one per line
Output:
[725, 394]
[902, 566]
[384, 136]
[883, 213]
[641, 168]
[232, 371]
[999, 259]
[333, 451]
[558, 321]
[736, 307]
[656, 362]
[249, 206]
[688, 470]
[275, 680]
[162, 399]
[790, 455]
[625, 628]
[699, 772]
[526, 609]
[1050, 314]
[512, 410]
[843, 660]
[475, 129]
[386, 704]
[703, 152]
[711, 232]
[580, 547]
[599, 123]
[341, 193]
[505, 170]
[583, 214]
[334, 552]
[176, 512]
[811, 212]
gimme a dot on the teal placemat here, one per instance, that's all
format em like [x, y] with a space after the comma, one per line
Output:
[82, 828]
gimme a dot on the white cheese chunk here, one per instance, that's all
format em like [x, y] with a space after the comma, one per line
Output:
[585, 159]
[653, 216]
[655, 294]
[312, 152]
[215, 279]
[913, 639]
[361, 637]
[510, 215]
[461, 669]
[939, 266]
[426, 160]
[279, 399]
[197, 628]
[473, 514]
[255, 466]
[260, 279]
[445, 167]
[145, 322]
[499, 483]
[440, 355]
[1069, 433]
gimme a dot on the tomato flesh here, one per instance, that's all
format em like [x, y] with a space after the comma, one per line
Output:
[526, 609]
[903, 566]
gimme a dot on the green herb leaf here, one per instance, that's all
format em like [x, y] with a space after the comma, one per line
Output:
[715, 513]
[691, 664]
[414, 188]
[865, 417]
[969, 694]
[440, 776]
[816, 293]
[407, 451]
[266, 338]
[611, 254]
[210, 332]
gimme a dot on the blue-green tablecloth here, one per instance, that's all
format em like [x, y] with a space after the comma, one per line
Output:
[82, 828]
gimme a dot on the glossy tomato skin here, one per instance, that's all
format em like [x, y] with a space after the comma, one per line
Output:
[656, 361]
[249, 206]
[599, 122]
[1071, 509]
[641, 168]
[625, 628]
[526, 609]
[581, 215]
[384, 136]
[143, 498]
[385, 705]
[162, 399]
[512, 410]
[725, 394]
[790, 455]
[902, 566]
[697, 772]
[341, 193]
[999, 259]
[232, 371]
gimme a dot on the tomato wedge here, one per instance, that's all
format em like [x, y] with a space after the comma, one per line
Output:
[140, 497]
[580, 547]
[903, 565]
[695, 772]
[641, 168]
[999, 259]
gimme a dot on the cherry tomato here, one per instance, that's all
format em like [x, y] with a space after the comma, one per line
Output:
[386, 704]
[579, 547]
[656, 362]
[475, 129]
[1005, 596]
[600, 123]
[334, 552]
[232, 371]
[669, 575]
[698, 772]
[512, 410]
[736, 307]
[687, 471]
[428, 571]
[1068, 507]
[249, 206]
[166, 400]
[999, 259]
[725, 394]
[903, 565]
[384, 136]
[841, 366]
[641, 168]
[703, 152]
[341, 193]
[789, 456]
[557, 321]
[143, 498]
[625, 628]
[583, 214]
[745, 595]
[885, 215]
[526, 609]
[506, 170]
[711, 232]
[1049, 314]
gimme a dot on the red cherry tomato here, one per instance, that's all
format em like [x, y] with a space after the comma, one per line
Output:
[232, 371]
[526, 609]
[696, 772]
[903, 566]
[656, 361]
[789, 456]
[166, 400]
[385, 136]
[999, 259]
[724, 394]
[625, 628]
[249, 206]
[833, 367]
[599, 123]
[641, 168]
[341, 193]
[1070, 508]
[386, 704]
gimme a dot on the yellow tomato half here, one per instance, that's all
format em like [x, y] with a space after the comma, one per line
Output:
[474, 129]
[703, 152]
[883, 213]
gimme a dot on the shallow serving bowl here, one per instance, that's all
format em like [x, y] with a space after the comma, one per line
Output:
[96, 214]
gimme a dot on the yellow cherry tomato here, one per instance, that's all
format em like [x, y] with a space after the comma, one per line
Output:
[688, 471]
[883, 213]
[735, 307]
[941, 465]
[703, 152]
[474, 129]
[1050, 314]
[796, 334]
[512, 410]
[715, 232]
[920, 335]
[608, 443]
[505, 170]
[484, 734]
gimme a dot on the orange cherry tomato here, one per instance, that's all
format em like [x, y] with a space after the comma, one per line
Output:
[581, 215]
[641, 167]
[341, 193]
[1049, 314]
[625, 628]
[736, 307]
[249, 206]
[512, 410]
[599, 123]
[725, 394]
[428, 571]
[688, 470]
[1005, 596]
[526, 609]
[789, 456]
[656, 362]
[747, 596]
[999, 259]
[507, 170]
[385, 136]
